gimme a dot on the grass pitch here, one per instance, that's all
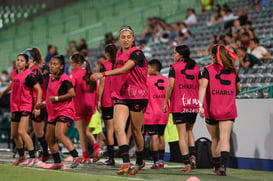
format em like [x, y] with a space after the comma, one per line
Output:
[98, 172]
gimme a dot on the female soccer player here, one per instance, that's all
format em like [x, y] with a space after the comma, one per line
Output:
[85, 104]
[106, 103]
[154, 119]
[129, 90]
[38, 123]
[219, 86]
[22, 83]
[60, 108]
[183, 93]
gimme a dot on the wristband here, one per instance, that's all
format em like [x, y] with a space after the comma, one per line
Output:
[200, 105]
[103, 74]
[44, 102]
[56, 98]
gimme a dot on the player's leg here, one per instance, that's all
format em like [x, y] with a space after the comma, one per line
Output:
[161, 145]
[81, 127]
[213, 129]
[109, 125]
[53, 146]
[121, 114]
[191, 139]
[23, 132]
[225, 131]
[61, 129]
[17, 139]
[38, 127]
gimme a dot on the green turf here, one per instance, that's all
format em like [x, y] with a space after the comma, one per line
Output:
[95, 172]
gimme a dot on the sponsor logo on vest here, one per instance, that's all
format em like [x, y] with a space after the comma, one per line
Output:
[159, 96]
[222, 81]
[188, 76]
[159, 87]
[189, 101]
[187, 86]
[222, 92]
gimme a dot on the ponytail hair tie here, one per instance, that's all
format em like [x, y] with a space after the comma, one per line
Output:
[231, 53]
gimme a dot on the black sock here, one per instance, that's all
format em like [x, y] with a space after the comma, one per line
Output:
[44, 145]
[186, 159]
[155, 156]
[110, 149]
[224, 158]
[216, 162]
[21, 152]
[31, 154]
[139, 157]
[124, 152]
[56, 157]
[161, 154]
[192, 151]
[74, 153]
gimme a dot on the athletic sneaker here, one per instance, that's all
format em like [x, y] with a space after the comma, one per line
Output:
[86, 161]
[57, 166]
[76, 162]
[187, 168]
[125, 168]
[44, 158]
[20, 160]
[221, 171]
[136, 168]
[161, 163]
[98, 155]
[155, 166]
[31, 162]
[193, 162]
[110, 162]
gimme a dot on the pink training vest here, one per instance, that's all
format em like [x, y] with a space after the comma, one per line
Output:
[106, 100]
[64, 108]
[184, 98]
[157, 86]
[85, 101]
[132, 84]
[21, 95]
[219, 103]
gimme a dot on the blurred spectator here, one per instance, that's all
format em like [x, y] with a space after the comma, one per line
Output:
[82, 45]
[185, 39]
[116, 42]
[245, 38]
[242, 17]
[191, 17]
[147, 32]
[227, 14]
[217, 7]
[216, 18]
[258, 51]
[246, 60]
[73, 46]
[206, 5]
[235, 28]
[51, 52]
[4, 78]
[109, 38]
[146, 49]
[229, 42]
[100, 59]
[260, 4]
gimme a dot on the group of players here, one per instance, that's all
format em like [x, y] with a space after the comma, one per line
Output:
[124, 92]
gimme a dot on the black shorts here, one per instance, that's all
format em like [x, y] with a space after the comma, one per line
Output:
[107, 113]
[181, 118]
[214, 122]
[41, 118]
[16, 116]
[62, 119]
[135, 105]
[156, 129]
